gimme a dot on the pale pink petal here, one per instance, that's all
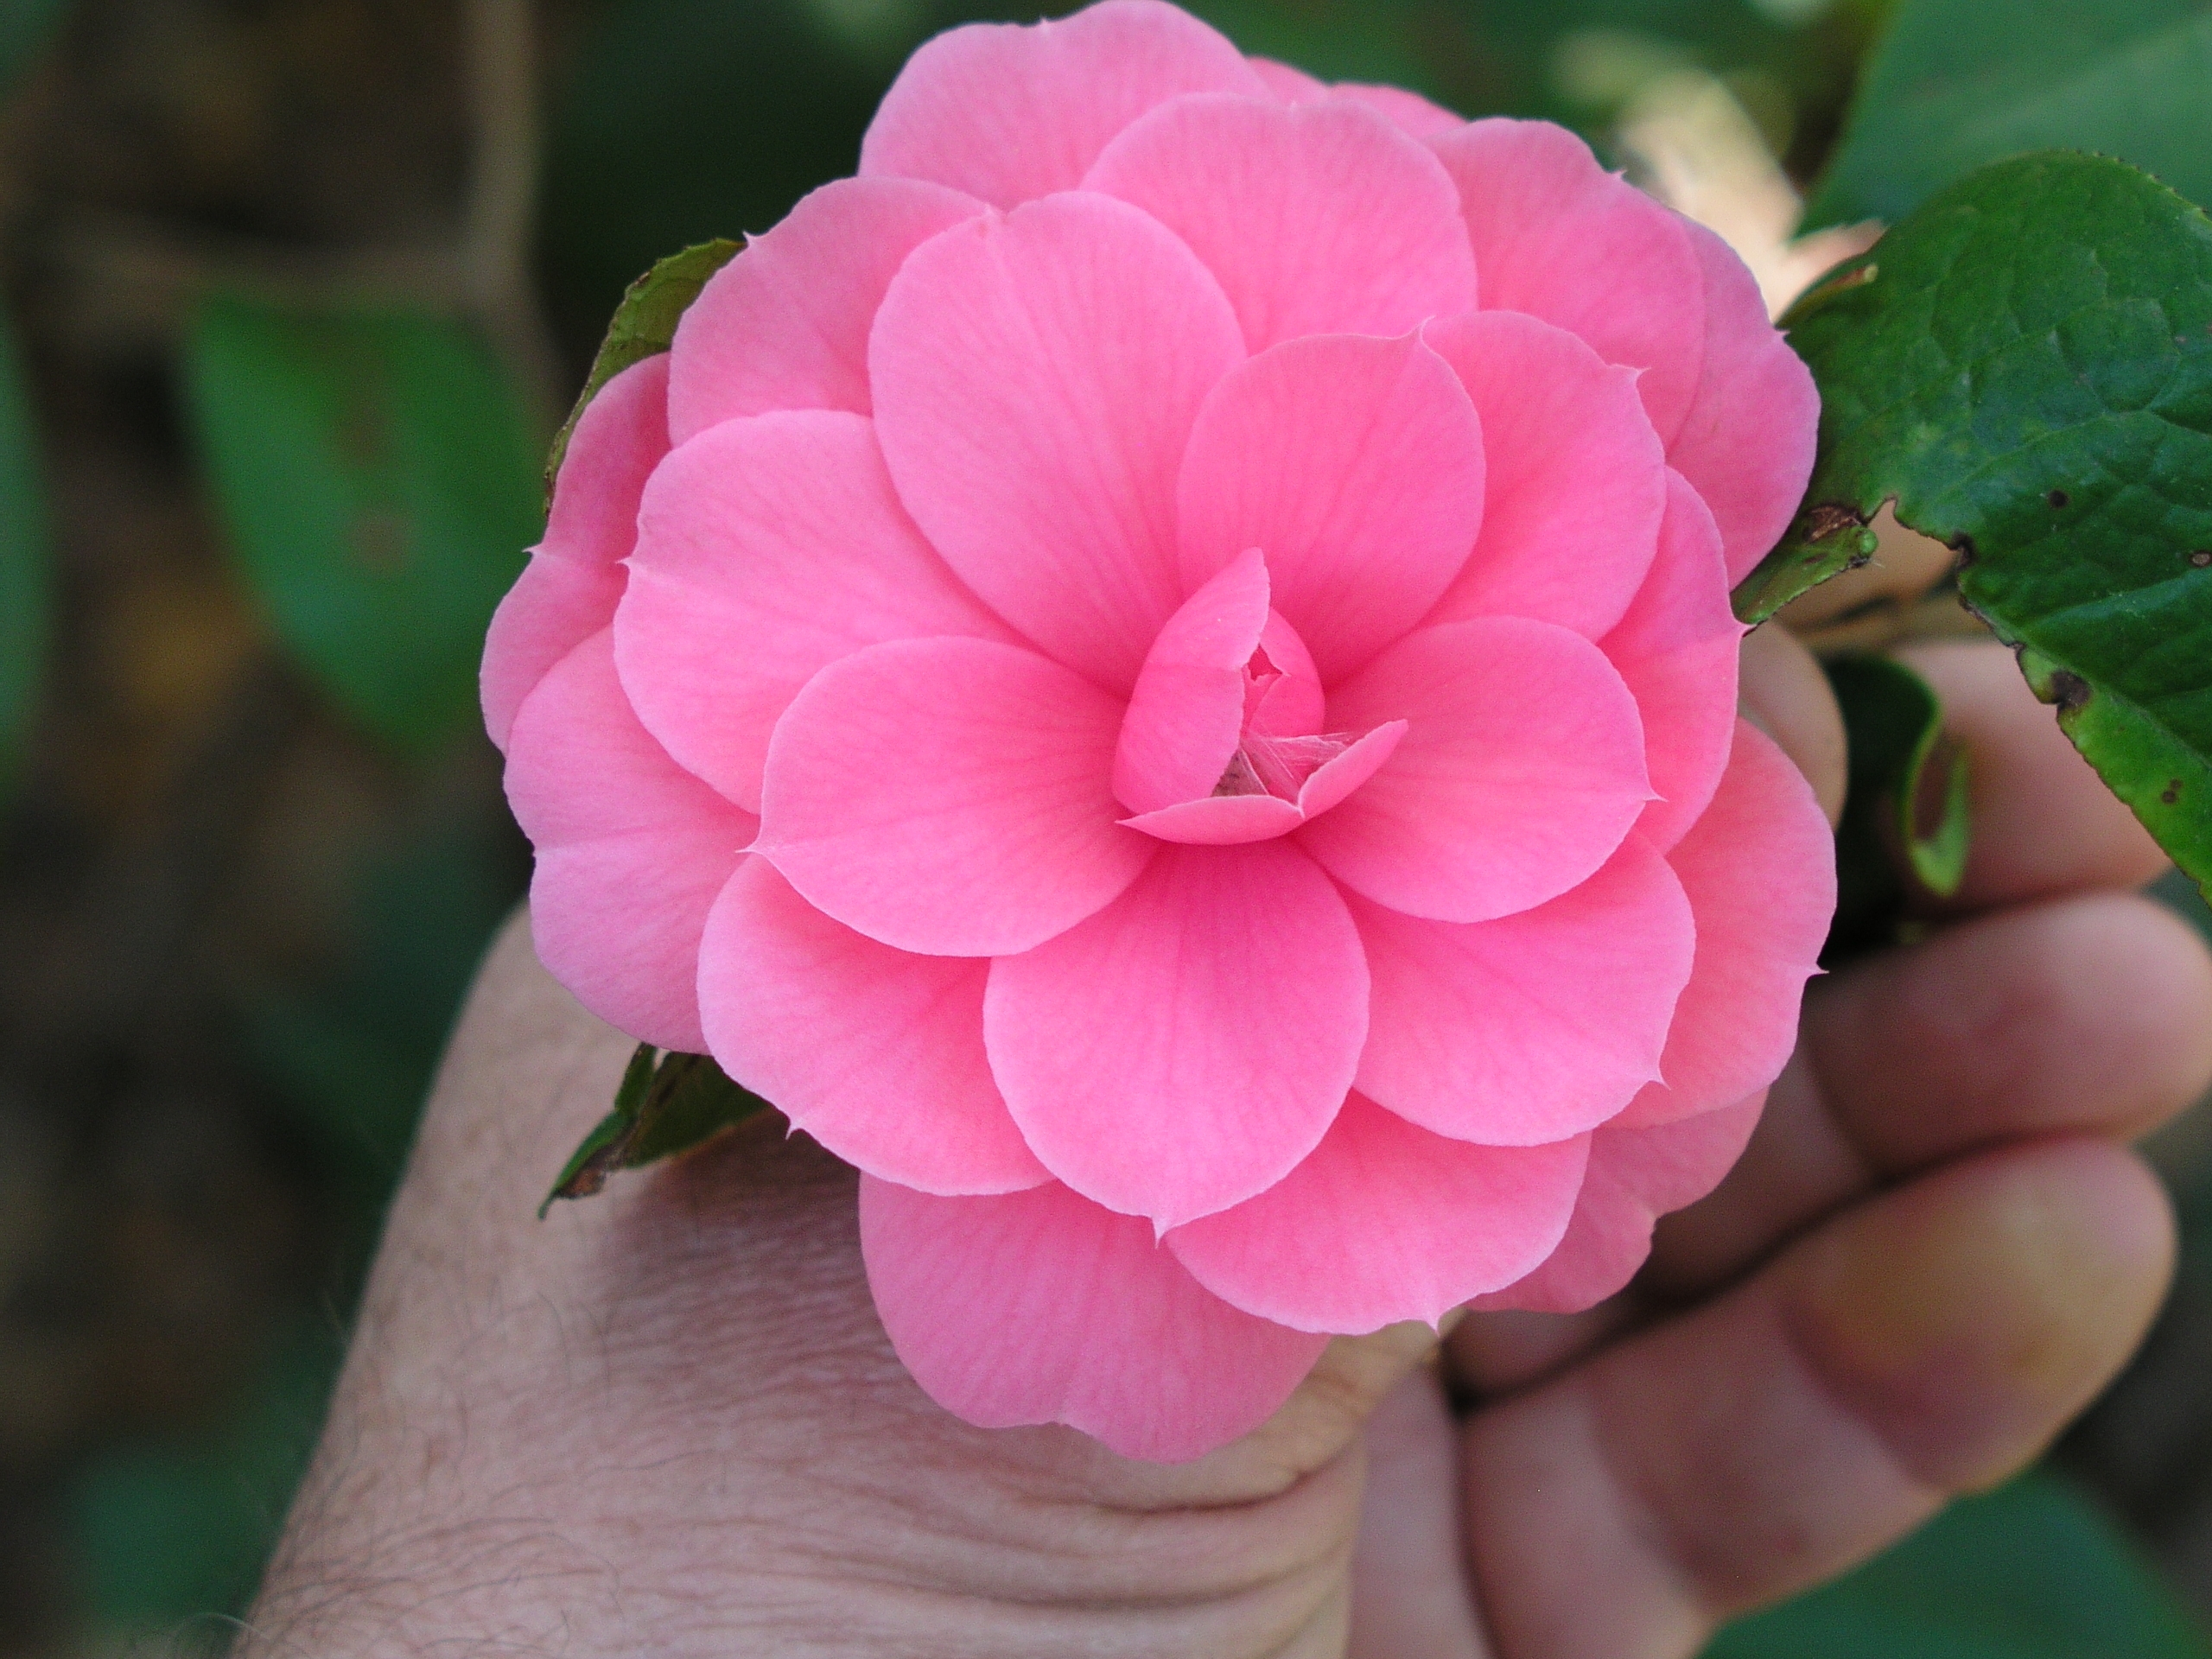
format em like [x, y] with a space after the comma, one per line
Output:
[876, 1053]
[950, 796]
[1746, 442]
[1009, 113]
[1534, 1027]
[1558, 236]
[569, 591]
[1759, 867]
[767, 548]
[1184, 1048]
[1035, 380]
[1355, 465]
[1677, 649]
[1322, 219]
[632, 850]
[1521, 771]
[784, 325]
[1386, 1222]
[1041, 1308]
[1576, 479]
[1186, 711]
[1634, 1177]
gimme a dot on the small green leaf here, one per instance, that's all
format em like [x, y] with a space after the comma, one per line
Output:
[2029, 376]
[376, 473]
[26, 565]
[662, 1107]
[643, 324]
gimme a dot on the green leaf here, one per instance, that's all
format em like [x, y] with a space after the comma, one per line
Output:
[26, 566]
[2031, 1571]
[644, 324]
[1957, 82]
[377, 475]
[662, 1107]
[2025, 366]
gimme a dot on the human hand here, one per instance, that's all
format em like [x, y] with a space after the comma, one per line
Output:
[667, 1421]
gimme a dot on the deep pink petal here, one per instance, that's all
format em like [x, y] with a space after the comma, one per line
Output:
[1759, 867]
[1184, 1048]
[1042, 1307]
[1576, 479]
[1677, 648]
[1534, 1027]
[1009, 113]
[1634, 1177]
[1321, 219]
[632, 850]
[1035, 381]
[569, 591]
[876, 1053]
[784, 325]
[1521, 771]
[1186, 711]
[1355, 465]
[1386, 1222]
[767, 548]
[950, 796]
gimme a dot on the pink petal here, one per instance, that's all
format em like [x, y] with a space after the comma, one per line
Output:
[1228, 820]
[1288, 83]
[1386, 1222]
[1759, 867]
[1746, 444]
[1035, 381]
[1008, 113]
[1186, 711]
[632, 850]
[1409, 111]
[569, 591]
[1521, 769]
[1322, 219]
[876, 1053]
[1040, 1307]
[1184, 1048]
[1576, 479]
[1335, 779]
[1558, 236]
[949, 797]
[767, 548]
[1355, 465]
[1677, 649]
[1634, 1177]
[1534, 1027]
[784, 325]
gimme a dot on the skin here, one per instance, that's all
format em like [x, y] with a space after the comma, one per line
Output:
[665, 1421]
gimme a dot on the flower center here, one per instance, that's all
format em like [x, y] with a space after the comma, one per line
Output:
[1268, 760]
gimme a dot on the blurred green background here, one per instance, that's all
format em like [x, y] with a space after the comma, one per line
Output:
[294, 291]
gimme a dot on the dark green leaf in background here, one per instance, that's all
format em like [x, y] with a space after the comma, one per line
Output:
[26, 565]
[664, 1106]
[379, 478]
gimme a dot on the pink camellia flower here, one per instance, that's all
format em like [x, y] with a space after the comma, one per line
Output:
[1155, 671]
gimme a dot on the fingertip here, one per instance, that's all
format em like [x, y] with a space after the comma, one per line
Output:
[1783, 691]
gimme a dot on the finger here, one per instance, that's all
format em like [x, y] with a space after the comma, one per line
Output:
[1785, 695]
[2087, 1015]
[1410, 1598]
[2043, 823]
[1926, 1343]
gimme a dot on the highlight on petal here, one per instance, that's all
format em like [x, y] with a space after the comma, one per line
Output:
[1041, 1308]
[784, 325]
[632, 850]
[1386, 1222]
[1576, 479]
[949, 797]
[876, 1053]
[1186, 711]
[1355, 465]
[1011, 112]
[1759, 868]
[569, 590]
[1534, 1027]
[1035, 380]
[1521, 771]
[1186, 1047]
[1319, 219]
[767, 548]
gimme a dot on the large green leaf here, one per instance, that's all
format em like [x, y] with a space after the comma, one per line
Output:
[1957, 82]
[2025, 365]
[2031, 1571]
[25, 573]
[378, 477]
